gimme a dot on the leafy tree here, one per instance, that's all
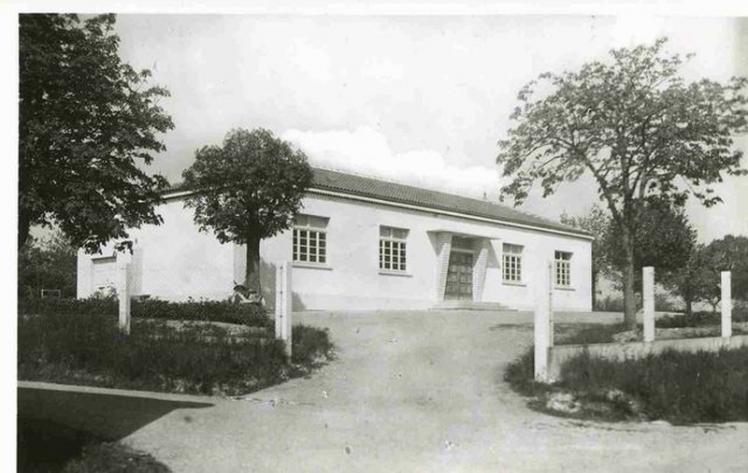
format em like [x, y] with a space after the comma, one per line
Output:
[597, 223]
[87, 120]
[696, 281]
[663, 238]
[248, 189]
[726, 254]
[48, 263]
[636, 127]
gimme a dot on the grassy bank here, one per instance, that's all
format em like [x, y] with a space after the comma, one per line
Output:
[157, 356]
[681, 388]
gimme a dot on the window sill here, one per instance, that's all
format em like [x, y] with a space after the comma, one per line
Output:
[514, 283]
[402, 274]
[302, 264]
[564, 288]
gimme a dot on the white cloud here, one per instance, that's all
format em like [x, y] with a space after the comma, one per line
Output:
[367, 151]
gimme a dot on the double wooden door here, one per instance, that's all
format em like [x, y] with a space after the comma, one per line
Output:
[459, 276]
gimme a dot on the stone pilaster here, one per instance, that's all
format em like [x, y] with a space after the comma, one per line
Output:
[444, 248]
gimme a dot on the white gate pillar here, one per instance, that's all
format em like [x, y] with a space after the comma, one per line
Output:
[648, 297]
[123, 291]
[543, 322]
[284, 305]
[726, 304]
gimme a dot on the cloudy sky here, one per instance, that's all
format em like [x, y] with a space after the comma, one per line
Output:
[417, 99]
[420, 96]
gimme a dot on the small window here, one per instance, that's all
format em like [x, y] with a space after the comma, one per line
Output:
[393, 248]
[563, 268]
[512, 262]
[310, 239]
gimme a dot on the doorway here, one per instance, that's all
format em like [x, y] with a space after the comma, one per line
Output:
[459, 276]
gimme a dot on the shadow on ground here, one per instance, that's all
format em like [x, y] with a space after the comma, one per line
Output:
[53, 426]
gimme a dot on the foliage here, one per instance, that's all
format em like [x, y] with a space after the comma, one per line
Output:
[310, 345]
[596, 222]
[663, 239]
[118, 457]
[252, 315]
[636, 127]
[700, 280]
[701, 319]
[681, 388]
[247, 190]
[88, 349]
[86, 121]
[48, 263]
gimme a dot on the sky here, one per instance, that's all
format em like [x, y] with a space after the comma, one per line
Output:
[417, 99]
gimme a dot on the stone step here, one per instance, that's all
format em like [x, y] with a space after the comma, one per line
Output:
[470, 305]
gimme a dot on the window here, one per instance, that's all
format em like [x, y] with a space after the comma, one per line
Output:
[392, 248]
[512, 262]
[310, 239]
[563, 268]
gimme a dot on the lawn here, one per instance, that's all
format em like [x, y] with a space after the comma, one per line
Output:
[681, 388]
[161, 355]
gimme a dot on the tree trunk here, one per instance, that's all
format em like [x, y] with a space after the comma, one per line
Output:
[689, 309]
[594, 288]
[629, 298]
[252, 276]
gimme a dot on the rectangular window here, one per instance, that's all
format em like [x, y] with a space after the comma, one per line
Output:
[310, 239]
[563, 268]
[392, 248]
[512, 262]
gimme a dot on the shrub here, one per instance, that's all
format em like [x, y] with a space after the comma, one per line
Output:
[88, 349]
[310, 345]
[252, 315]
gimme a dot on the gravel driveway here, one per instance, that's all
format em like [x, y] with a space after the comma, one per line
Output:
[422, 391]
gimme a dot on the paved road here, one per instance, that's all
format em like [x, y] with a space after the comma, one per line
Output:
[418, 392]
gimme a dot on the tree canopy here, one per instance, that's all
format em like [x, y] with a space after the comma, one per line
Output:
[247, 190]
[47, 263]
[88, 122]
[636, 127]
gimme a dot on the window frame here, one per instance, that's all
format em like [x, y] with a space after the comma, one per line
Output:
[562, 268]
[398, 250]
[511, 270]
[316, 254]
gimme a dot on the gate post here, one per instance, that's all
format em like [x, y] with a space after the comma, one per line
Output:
[284, 306]
[543, 324]
[726, 304]
[648, 296]
[123, 292]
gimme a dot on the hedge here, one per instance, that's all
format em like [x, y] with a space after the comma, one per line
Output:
[252, 315]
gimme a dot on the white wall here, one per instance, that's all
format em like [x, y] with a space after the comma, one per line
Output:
[176, 261]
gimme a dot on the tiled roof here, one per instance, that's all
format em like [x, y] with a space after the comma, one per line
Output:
[378, 189]
[354, 185]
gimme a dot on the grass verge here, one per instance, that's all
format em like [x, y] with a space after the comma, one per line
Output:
[681, 388]
[156, 356]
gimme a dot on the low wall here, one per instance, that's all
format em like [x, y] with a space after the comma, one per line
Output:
[558, 355]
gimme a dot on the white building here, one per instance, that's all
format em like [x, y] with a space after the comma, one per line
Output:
[363, 243]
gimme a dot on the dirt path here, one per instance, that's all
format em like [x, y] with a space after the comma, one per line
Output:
[421, 392]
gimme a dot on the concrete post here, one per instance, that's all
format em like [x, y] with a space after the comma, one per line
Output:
[726, 304]
[123, 292]
[648, 296]
[551, 330]
[542, 325]
[284, 306]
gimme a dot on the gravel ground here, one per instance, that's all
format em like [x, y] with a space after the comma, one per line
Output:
[423, 391]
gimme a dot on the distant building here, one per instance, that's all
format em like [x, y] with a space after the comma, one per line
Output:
[363, 243]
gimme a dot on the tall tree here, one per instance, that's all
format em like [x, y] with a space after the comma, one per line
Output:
[87, 122]
[636, 127]
[247, 190]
